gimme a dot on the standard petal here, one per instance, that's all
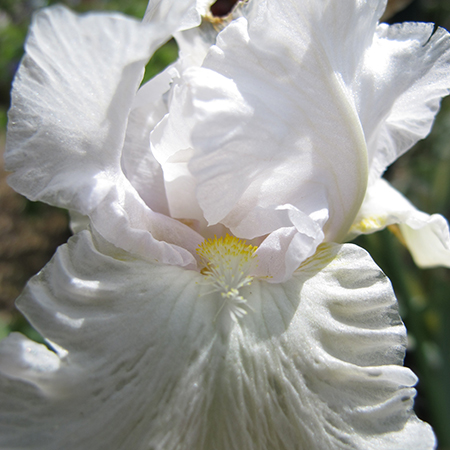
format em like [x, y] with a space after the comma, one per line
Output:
[70, 105]
[170, 146]
[194, 43]
[258, 102]
[398, 88]
[138, 163]
[295, 239]
[427, 237]
[191, 12]
[144, 361]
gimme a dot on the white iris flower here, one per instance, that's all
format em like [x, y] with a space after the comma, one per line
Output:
[206, 301]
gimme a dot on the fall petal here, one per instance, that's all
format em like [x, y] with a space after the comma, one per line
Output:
[140, 347]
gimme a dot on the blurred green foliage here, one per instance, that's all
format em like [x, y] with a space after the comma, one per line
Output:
[423, 175]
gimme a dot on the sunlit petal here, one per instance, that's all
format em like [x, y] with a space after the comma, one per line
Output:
[67, 125]
[427, 237]
[255, 139]
[316, 362]
[402, 78]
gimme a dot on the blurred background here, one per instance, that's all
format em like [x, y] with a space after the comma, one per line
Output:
[30, 232]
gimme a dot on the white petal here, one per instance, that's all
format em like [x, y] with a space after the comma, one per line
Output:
[160, 11]
[296, 234]
[142, 363]
[171, 147]
[138, 162]
[427, 237]
[71, 100]
[400, 83]
[257, 139]
[194, 43]
[295, 239]
[78, 222]
[27, 359]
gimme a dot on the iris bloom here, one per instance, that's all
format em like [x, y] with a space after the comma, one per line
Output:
[206, 300]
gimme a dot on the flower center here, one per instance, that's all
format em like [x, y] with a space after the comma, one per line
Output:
[228, 263]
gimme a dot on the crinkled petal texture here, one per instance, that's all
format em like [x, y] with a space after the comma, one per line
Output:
[138, 163]
[398, 86]
[194, 43]
[427, 237]
[144, 362]
[258, 152]
[278, 147]
[71, 101]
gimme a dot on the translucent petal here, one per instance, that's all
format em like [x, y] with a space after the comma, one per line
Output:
[194, 43]
[398, 88]
[70, 105]
[171, 147]
[427, 237]
[144, 362]
[256, 139]
[295, 239]
[138, 163]
[71, 100]
[160, 11]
